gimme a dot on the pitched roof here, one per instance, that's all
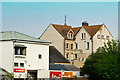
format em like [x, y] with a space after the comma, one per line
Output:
[92, 29]
[66, 67]
[55, 56]
[13, 35]
[62, 29]
[76, 30]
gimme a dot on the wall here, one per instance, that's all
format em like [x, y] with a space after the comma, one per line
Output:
[52, 35]
[32, 61]
[7, 54]
[100, 42]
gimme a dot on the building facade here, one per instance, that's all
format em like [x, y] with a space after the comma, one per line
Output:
[25, 56]
[77, 43]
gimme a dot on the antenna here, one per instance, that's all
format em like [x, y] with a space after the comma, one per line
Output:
[65, 20]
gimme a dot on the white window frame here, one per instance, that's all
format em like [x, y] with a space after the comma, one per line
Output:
[83, 36]
[102, 37]
[67, 45]
[72, 56]
[98, 36]
[107, 37]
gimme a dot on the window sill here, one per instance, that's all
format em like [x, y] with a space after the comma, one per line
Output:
[82, 39]
[20, 56]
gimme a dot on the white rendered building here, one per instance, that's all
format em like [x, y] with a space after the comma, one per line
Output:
[23, 55]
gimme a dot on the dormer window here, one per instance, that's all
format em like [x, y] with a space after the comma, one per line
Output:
[70, 34]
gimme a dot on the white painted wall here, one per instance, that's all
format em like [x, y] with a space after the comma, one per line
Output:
[52, 35]
[6, 55]
[100, 42]
[32, 59]
[82, 44]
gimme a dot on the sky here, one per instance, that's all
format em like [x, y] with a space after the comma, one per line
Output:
[32, 18]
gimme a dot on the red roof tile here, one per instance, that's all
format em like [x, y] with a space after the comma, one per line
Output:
[76, 30]
[92, 29]
[62, 29]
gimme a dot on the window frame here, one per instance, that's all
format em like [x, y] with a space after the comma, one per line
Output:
[102, 37]
[83, 36]
[67, 45]
[88, 46]
[108, 37]
[71, 46]
[67, 55]
[76, 57]
[16, 63]
[21, 51]
[98, 37]
[23, 65]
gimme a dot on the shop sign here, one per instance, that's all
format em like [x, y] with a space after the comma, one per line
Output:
[59, 74]
[19, 70]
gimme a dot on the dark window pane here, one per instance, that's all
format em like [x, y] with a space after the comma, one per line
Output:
[16, 64]
[21, 64]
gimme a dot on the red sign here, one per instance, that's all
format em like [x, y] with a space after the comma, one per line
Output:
[19, 70]
[55, 74]
[59, 74]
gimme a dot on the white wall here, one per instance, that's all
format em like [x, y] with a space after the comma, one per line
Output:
[6, 55]
[100, 42]
[82, 44]
[52, 35]
[32, 59]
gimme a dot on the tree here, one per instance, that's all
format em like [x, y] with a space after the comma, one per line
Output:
[104, 64]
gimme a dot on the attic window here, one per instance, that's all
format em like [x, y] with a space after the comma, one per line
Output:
[70, 34]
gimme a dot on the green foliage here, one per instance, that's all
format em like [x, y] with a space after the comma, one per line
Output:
[8, 76]
[104, 64]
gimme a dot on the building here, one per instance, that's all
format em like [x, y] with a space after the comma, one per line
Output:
[60, 67]
[77, 43]
[23, 55]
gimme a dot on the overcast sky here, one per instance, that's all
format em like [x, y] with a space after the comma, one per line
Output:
[32, 18]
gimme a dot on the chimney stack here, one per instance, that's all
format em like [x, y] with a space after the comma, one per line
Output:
[85, 23]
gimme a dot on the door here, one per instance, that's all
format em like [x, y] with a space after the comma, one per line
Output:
[32, 74]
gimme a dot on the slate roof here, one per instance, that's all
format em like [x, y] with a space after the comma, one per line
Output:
[55, 56]
[66, 67]
[92, 30]
[13, 35]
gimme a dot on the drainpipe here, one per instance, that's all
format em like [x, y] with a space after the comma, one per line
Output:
[92, 45]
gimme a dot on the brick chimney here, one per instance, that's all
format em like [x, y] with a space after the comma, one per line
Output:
[85, 23]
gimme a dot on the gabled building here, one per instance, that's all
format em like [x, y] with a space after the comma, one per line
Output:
[77, 43]
[23, 55]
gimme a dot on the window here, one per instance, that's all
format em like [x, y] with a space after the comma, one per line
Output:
[107, 37]
[76, 45]
[102, 36]
[70, 36]
[20, 50]
[98, 36]
[40, 56]
[71, 46]
[21, 64]
[82, 59]
[15, 64]
[83, 36]
[67, 56]
[67, 45]
[71, 56]
[87, 45]
[76, 56]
